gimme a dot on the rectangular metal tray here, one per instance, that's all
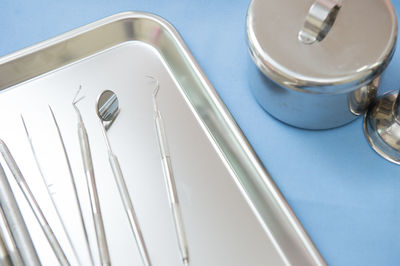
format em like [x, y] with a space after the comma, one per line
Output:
[233, 212]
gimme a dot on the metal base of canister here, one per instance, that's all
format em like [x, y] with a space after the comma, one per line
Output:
[382, 126]
[301, 109]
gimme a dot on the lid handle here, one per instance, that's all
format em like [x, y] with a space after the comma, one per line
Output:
[319, 20]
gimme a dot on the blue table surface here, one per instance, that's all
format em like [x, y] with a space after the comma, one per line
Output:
[345, 195]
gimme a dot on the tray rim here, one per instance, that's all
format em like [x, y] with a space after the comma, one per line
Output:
[309, 247]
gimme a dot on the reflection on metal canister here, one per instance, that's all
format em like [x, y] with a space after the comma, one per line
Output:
[319, 61]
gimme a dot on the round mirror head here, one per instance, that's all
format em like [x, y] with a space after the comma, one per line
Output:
[107, 105]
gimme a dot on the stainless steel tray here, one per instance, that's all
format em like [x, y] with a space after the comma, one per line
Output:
[232, 210]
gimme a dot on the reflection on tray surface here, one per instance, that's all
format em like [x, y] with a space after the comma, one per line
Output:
[23, 251]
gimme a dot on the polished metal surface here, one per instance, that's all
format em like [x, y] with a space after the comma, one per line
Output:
[319, 20]
[169, 178]
[25, 253]
[359, 100]
[5, 259]
[48, 189]
[41, 219]
[107, 109]
[77, 200]
[12, 255]
[233, 212]
[342, 47]
[87, 162]
[382, 126]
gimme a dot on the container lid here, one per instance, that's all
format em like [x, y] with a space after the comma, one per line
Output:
[322, 45]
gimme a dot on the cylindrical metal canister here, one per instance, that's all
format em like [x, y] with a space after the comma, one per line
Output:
[318, 62]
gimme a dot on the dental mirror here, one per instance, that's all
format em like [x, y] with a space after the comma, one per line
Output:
[107, 109]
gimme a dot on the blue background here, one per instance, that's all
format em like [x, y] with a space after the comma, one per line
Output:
[345, 195]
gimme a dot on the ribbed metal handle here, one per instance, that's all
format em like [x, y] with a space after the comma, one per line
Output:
[94, 198]
[130, 212]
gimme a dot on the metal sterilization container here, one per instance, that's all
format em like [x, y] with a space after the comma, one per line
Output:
[319, 62]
